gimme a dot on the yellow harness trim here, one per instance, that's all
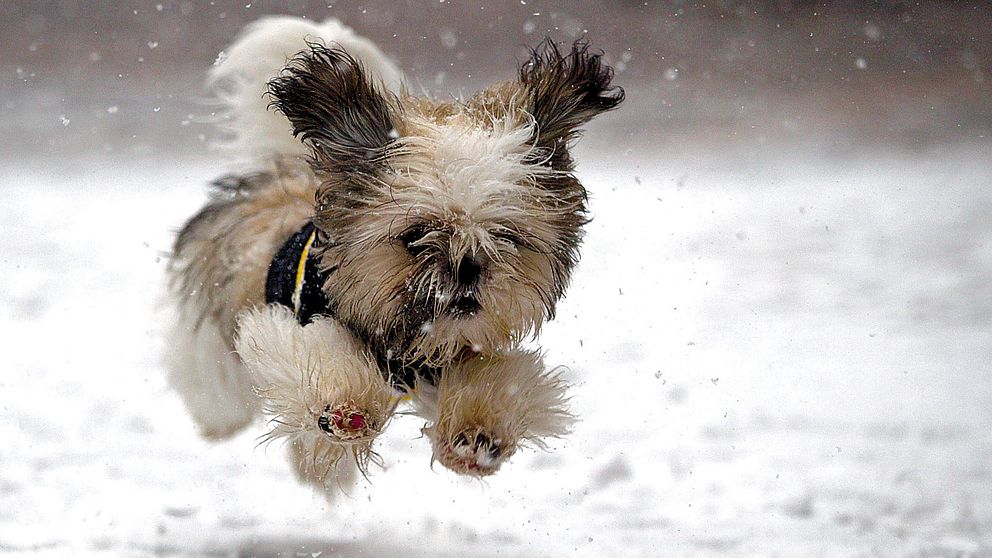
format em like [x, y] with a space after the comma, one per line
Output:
[300, 270]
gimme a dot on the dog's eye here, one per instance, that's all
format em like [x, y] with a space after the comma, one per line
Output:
[510, 237]
[412, 235]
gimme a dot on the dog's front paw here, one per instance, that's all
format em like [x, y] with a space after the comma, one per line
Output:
[485, 406]
[348, 422]
[324, 392]
[475, 451]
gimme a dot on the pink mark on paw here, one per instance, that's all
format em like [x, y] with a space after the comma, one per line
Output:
[344, 422]
[348, 420]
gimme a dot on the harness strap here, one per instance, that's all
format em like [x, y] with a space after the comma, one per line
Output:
[295, 280]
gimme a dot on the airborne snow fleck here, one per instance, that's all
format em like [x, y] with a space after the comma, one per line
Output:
[448, 38]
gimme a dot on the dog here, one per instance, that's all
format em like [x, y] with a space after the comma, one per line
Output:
[375, 246]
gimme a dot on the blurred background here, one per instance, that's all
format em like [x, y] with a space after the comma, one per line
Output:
[779, 338]
[125, 77]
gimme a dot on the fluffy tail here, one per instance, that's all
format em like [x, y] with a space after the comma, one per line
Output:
[239, 79]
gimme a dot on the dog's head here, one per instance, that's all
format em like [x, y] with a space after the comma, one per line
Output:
[446, 225]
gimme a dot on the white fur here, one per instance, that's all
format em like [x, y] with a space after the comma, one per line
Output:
[239, 81]
[300, 371]
[208, 375]
[483, 174]
[509, 397]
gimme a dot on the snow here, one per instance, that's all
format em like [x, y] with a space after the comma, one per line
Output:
[783, 353]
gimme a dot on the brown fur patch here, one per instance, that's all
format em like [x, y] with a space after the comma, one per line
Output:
[221, 257]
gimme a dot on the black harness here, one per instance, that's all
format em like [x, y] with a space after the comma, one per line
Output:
[295, 279]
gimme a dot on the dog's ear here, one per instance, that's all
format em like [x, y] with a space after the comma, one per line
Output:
[563, 92]
[335, 108]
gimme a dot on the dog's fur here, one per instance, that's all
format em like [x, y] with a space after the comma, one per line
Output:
[447, 231]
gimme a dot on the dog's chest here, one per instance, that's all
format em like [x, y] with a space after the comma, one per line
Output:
[295, 280]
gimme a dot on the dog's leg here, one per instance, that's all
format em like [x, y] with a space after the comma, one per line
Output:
[324, 392]
[206, 372]
[488, 404]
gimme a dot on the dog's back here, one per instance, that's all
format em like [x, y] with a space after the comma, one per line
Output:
[221, 255]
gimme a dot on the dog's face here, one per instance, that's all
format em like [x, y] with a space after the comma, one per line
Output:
[446, 226]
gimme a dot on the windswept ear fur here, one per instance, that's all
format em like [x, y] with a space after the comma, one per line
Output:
[564, 91]
[334, 108]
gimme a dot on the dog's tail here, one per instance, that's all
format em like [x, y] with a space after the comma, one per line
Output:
[253, 132]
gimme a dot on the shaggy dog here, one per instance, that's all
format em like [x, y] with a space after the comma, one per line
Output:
[375, 245]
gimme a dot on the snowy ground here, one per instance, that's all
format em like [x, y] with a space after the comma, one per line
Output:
[772, 355]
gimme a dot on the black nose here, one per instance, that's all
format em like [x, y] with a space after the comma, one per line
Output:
[469, 271]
